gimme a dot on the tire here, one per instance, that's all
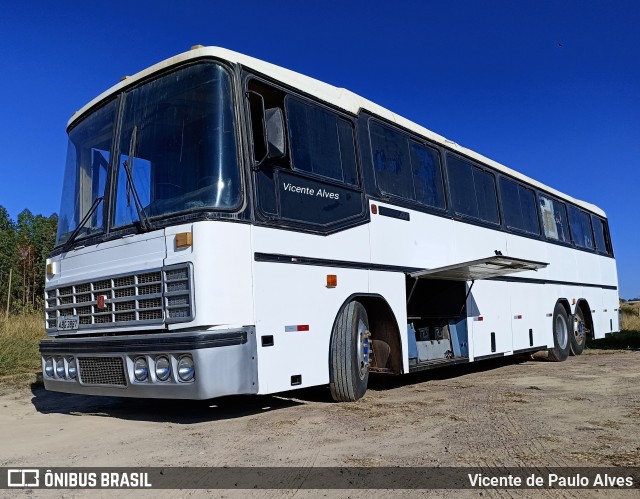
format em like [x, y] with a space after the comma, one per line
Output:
[349, 354]
[561, 342]
[577, 333]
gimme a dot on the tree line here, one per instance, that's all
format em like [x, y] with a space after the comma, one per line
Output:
[24, 246]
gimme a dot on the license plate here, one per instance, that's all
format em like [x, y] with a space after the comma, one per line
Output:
[68, 322]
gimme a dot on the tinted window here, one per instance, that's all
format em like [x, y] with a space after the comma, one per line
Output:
[601, 236]
[86, 172]
[473, 190]
[406, 168]
[463, 196]
[178, 143]
[519, 206]
[391, 161]
[580, 228]
[486, 195]
[554, 219]
[321, 141]
[427, 175]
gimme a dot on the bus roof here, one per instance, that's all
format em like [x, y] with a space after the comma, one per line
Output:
[338, 97]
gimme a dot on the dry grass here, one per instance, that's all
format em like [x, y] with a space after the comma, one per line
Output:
[630, 317]
[19, 338]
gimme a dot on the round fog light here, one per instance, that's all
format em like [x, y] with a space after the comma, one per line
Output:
[140, 369]
[73, 368]
[60, 372]
[48, 367]
[163, 368]
[186, 369]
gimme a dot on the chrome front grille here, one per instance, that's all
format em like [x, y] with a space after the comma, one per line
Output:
[144, 298]
[102, 371]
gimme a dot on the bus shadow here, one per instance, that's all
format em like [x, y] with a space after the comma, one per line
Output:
[156, 410]
[238, 406]
[386, 382]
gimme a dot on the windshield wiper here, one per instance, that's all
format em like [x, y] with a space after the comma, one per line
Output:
[84, 220]
[128, 168]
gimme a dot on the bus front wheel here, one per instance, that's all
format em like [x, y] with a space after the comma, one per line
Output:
[350, 353]
[561, 342]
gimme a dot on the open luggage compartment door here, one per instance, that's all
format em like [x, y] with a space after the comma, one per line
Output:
[485, 268]
[437, 299]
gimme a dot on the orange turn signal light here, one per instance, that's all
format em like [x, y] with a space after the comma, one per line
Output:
[332, 280]
[184, 239]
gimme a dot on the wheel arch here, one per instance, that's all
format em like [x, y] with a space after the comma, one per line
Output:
[583, 304]
[384, 329]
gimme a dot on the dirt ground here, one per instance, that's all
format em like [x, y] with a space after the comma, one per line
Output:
[512, 412]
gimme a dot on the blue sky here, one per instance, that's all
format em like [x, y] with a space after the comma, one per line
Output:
[549, 88]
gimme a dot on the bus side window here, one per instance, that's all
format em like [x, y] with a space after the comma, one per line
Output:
[473, 190]
[427, 175]
[406, 168]
[321, 142]
[580, 228]
[554, 219]
[306, 165]
[601, 234]
[391, 161]
[519, 206]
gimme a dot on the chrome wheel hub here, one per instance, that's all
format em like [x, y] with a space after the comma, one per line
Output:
[364, 349]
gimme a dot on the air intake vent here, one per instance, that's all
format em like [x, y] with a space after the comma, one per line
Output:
[178, 294]
[102, 371]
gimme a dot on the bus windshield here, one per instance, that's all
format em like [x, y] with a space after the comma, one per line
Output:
[177, 140]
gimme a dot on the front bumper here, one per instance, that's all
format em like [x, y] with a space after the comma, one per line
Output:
[225, 364]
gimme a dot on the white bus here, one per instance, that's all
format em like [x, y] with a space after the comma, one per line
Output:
[228, 226]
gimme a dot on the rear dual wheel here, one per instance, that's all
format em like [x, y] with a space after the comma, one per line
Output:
[561, 342]
[577, 336]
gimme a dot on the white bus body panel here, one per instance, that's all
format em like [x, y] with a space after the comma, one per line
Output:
[417, 243]
[287, 294]
[221, 254]
[121, 256]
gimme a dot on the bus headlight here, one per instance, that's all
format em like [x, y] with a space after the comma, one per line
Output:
[141, 369]
[186, 368]
[48, 367]
[163, 368]
[72, 368]
[60, 371]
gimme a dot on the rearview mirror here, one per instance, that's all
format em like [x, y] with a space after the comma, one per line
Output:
[274, 124]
